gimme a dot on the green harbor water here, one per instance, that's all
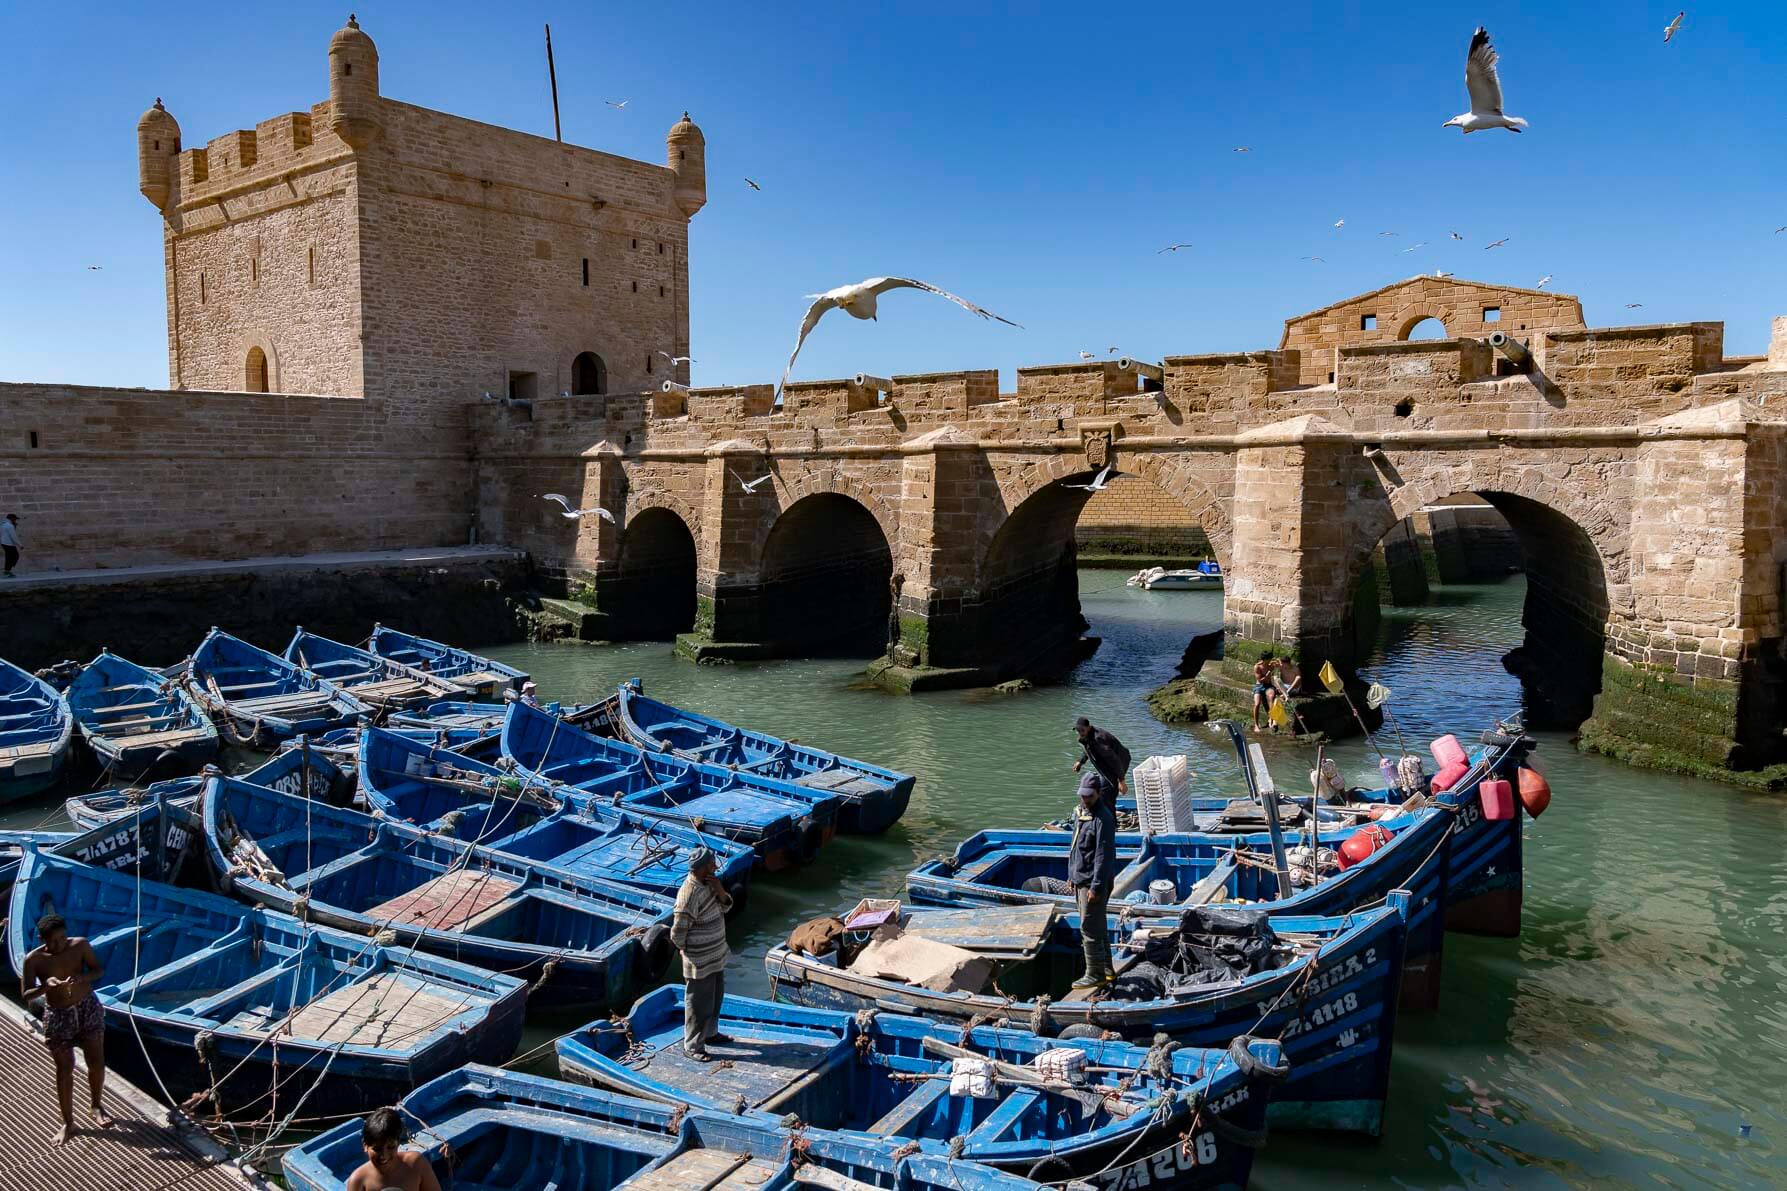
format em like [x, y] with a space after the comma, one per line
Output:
[1623, 1040]
[1626, 1039]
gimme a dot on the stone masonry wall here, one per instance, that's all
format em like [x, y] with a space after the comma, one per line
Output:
[120, 477]
[1387, 315]
[1132, 516]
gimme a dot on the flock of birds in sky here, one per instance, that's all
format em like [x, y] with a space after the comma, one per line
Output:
[1482, 86]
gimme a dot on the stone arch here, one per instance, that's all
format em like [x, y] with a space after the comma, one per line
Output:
[1177, 480]
[826, 563]
[1576, 572]
[260, 364]
[1416, 318]
[839, 483]
[589, 374]
[652, 590]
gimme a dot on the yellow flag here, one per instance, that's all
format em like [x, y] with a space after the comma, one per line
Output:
[1280, 715]
[1331, 678]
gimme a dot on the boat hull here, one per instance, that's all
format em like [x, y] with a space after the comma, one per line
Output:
[1335, 1017]
[36, 734]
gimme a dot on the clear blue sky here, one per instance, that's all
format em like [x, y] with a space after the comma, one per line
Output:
[1031, 159]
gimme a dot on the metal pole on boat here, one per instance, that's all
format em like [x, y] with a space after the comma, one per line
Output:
[1269, 800]
[1259, 784]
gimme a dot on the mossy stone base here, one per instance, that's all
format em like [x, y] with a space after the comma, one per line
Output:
[1652, 717]
[573, 620]
[697, 647]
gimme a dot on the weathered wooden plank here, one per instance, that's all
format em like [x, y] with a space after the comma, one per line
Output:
[985, 929]
[448, 902]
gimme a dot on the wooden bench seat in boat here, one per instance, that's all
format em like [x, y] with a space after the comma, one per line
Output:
[451, 901]
[388, 1009]
[706, 1169]
[911, 1108]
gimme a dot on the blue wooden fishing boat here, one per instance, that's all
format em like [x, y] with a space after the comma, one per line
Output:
[577, 939]
[259, 699]
[1326, 988]
[870, 799]
[785, 824]
[36, 729]
[886, 1076]
[474, 674]
[135, 719]
[483, 1129]
[416, 781]
[226, 999]
[379, 682]
[296, 769]
[1162, 875]
[458, 716]
[1485, 880]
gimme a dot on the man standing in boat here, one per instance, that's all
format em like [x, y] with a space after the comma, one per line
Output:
[699, 931]
[1107, 754]
[1091, 870]
[62, 972]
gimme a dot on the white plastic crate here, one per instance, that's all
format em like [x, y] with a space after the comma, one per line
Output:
[1162, 788]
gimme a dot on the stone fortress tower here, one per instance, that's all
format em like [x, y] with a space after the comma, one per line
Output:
[371, 248]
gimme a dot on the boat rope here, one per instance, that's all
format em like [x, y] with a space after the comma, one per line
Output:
[136, 967]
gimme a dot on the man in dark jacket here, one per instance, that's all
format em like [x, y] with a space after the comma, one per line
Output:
[1105, 751]
[1091, 869]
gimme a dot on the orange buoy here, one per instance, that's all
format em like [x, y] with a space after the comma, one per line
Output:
[1535, 791]
[1362, 843]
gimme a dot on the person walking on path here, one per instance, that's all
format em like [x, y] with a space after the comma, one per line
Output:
[1091, 870]
[1107, 754]
[9, 541]
[62, 971]
[699, 931]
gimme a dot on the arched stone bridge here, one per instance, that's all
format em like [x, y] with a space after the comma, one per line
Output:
[1639, 467]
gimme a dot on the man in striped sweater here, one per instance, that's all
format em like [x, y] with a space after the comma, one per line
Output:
[699, 932]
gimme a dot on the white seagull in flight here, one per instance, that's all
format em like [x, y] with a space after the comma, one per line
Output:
[1318, 260]
[750, 485]
[1098, 482]
[617, 106]
[1485, 89]
[858, 301]
[1087, 356]
[1543, 282]
[1412, 247]
[752, 184]
[1497, 244]
[1455, 235]
[1340, 223]
[1172, 248]
[575, 513]
[1633, 305]
[676, 359]
[1669, 30]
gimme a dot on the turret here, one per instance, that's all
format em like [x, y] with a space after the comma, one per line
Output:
[687, 158]
[158, 144]
[353, 86]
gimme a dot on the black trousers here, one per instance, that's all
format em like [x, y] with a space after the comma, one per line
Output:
[12, 556]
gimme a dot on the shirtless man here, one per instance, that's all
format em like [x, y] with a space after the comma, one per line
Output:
[62, 972]
[1263, 690]
[388, 1166]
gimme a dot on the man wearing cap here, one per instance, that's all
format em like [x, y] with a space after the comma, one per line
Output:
[1091, 870]
[699, 932]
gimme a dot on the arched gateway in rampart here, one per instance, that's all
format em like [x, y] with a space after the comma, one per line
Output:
[1637, 467]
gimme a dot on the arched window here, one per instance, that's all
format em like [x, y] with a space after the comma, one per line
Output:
[589, 374]
[1425, 328]
[256, 378]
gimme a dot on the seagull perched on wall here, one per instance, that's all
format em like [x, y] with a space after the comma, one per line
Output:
[752, 184]
[1669, 30]
[1543, 282]
[749, 485]
[1485, 87]
[1172, 248]
[858, 301]
[577, 514]
[1441, 273]
[1098, 482]
[1497, 244]
[676, 359]
[618, 105]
